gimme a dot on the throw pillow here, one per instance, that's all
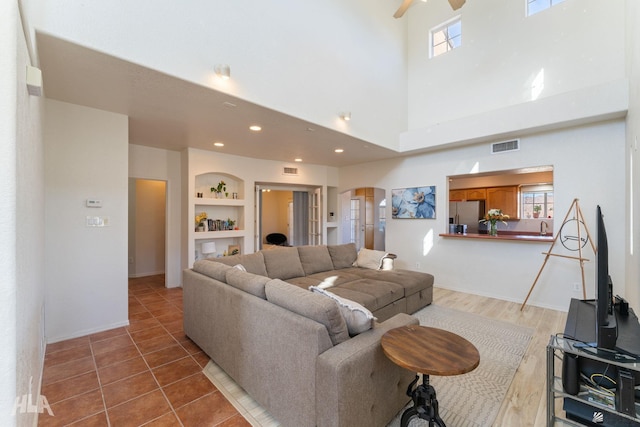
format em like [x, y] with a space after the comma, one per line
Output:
[310, 305]
[358, 318]
[368, 258]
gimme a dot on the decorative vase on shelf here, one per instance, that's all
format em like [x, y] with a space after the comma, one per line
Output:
[493, 228]
[202, 226]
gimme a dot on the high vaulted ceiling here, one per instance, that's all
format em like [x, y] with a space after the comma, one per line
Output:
[170, 113]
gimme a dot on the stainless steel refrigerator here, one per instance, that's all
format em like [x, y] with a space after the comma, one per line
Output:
[469, 213]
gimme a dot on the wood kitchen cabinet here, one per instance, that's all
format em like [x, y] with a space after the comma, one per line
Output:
[457, 195]
[503, 198]
[468, 194]
[476, 194]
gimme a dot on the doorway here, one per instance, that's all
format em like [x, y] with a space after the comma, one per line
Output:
[365, 224]
[147, 227]
[293, 211]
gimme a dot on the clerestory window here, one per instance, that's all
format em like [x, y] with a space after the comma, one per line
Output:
[446, 37]
[535, 6]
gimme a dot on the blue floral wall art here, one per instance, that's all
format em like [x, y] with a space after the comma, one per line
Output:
[414, 202]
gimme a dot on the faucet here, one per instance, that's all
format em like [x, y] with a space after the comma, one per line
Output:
[543, 228]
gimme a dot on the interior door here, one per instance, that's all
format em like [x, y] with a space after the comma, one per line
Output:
[258, 219]
[357, 221]
[290, 221]
[315, 219]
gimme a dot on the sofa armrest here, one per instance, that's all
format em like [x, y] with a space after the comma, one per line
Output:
[356, 384]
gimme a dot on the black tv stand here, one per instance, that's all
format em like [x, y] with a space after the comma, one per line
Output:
[581, 356]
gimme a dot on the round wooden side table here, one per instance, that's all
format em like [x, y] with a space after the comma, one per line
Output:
[428, 351]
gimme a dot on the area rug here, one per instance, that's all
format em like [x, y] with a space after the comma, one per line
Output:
[469, 400]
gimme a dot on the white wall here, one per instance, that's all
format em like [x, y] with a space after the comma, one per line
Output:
[342, 55]
[30, 236]
[575, 45]
[9, 20]
[86, 156]
[21, 225]
[153, 163]
[633, 156]
[588, 164]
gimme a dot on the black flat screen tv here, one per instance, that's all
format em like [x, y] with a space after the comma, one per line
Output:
[606, 327]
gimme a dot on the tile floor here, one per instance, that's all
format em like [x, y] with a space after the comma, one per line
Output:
[148, 373]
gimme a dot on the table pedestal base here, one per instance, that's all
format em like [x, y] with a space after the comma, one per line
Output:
[425, 404]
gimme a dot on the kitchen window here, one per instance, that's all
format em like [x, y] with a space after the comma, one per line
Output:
[537, 201]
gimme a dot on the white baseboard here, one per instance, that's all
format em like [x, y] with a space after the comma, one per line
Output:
[153, 273]
[82, 333]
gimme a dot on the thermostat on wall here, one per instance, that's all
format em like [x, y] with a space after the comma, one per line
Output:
[94, 203]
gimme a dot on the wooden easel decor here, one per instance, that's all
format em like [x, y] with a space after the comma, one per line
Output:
[565, 238]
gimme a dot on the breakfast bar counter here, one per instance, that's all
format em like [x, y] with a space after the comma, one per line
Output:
[503, 236]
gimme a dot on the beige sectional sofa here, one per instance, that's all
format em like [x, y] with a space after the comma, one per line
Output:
[290, 348]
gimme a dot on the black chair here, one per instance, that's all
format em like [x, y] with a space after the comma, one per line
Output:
[278, 239]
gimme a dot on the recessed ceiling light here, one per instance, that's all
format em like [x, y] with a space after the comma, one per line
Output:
[297, 160]
[219, 144]
[339, 150]
[255, 128]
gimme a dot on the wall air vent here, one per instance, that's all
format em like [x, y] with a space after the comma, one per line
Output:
[289, 171]
[502, 147]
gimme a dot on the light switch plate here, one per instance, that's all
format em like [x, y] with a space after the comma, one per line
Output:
[94, 203]
[97, 221]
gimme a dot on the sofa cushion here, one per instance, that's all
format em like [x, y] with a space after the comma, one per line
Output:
[253, 263]
[330, 278]
[358, 318]
[215, 270]
[315, 259]
[368, 258]
[343, 256]
[304, 282]
[411, 281]
[248, 282]
[384, 293]
[310, 305]
[283, 263]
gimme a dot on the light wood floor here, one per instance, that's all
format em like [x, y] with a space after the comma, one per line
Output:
[525, 402]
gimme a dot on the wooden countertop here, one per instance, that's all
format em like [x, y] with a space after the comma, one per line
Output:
[504, 236]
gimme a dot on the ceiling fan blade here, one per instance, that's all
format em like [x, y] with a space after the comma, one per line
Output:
[403, 8]
[456, 4]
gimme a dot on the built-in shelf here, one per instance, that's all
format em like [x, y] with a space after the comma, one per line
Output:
[217, 208]
[199, 235]
[217, 202]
